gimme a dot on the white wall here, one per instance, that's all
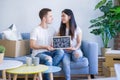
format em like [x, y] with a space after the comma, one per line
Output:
[24, 14]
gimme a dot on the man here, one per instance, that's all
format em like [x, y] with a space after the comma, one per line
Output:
[40, 41]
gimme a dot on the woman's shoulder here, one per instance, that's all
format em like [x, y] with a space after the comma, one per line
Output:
[78, 29]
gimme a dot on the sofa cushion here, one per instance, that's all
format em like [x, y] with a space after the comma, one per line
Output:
[25, 36]
[11, 33]
[83, 62]
[0, 35]
[84, 70]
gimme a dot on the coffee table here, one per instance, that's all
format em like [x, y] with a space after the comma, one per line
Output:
[51, 70]
[9, 64]
[24, 69]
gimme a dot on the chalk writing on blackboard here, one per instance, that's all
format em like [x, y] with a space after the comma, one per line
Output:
[61, 41]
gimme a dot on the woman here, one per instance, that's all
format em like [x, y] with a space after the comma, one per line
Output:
[68, 27]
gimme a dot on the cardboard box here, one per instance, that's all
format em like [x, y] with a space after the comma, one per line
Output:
[112, 57]
[100, 65]
[108, 71]
[16, 48]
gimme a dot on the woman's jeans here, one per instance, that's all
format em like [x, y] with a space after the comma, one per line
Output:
[69, 56]
[54, 59]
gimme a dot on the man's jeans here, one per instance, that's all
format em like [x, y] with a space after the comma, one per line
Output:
[69, 56]
[55, 57]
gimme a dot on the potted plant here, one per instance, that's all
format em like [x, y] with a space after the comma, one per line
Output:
[108, 24]
[2, 51]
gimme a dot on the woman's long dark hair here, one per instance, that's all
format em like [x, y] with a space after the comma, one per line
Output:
[72, 24]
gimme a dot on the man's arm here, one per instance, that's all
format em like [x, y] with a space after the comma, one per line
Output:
[33, 45]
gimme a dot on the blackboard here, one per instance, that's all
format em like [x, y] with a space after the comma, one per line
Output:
[61, 42]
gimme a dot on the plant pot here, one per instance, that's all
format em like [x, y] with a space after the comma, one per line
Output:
[104, 50]
[1, 57]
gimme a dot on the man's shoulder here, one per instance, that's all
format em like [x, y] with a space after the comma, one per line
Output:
[36, 28]
[52, 30]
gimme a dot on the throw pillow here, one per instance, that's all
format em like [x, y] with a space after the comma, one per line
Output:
[11, 33]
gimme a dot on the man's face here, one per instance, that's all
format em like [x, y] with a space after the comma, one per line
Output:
[49, 17]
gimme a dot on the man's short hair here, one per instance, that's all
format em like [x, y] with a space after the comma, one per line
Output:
[43, 12]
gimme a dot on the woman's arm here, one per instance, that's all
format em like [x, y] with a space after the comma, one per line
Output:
[79, 39]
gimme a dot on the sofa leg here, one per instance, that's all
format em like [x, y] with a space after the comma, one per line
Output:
[92, 76]
[89, 77]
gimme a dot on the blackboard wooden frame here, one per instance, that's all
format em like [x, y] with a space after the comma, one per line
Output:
[67, 40]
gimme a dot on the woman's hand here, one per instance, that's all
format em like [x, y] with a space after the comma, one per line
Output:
[70, 48]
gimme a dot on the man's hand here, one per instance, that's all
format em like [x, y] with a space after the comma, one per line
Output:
[49, 48]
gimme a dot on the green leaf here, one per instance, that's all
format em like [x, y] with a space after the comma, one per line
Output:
[116, 10]
[109, 4]
[104, 9]
[98, 24]
[96, 31]
[100, 4]
[2, 49]
[93, 21]
[107, 25]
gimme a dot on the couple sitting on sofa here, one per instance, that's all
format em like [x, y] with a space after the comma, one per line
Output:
[40, 41]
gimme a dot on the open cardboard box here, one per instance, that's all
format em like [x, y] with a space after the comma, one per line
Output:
[16, 48]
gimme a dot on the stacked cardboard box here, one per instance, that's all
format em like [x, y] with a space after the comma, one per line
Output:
[112, 57]
[100, 63]
[108, 71]
[16, 48]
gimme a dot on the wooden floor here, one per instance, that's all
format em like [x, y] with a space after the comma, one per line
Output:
[84, 77]
[73, 78]
[62, 78]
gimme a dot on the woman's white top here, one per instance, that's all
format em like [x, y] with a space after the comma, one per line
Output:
[77, 32]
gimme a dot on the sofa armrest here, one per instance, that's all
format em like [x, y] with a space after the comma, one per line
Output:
[90, 50]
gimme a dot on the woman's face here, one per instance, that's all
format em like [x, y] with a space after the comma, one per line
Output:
[65, 18]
